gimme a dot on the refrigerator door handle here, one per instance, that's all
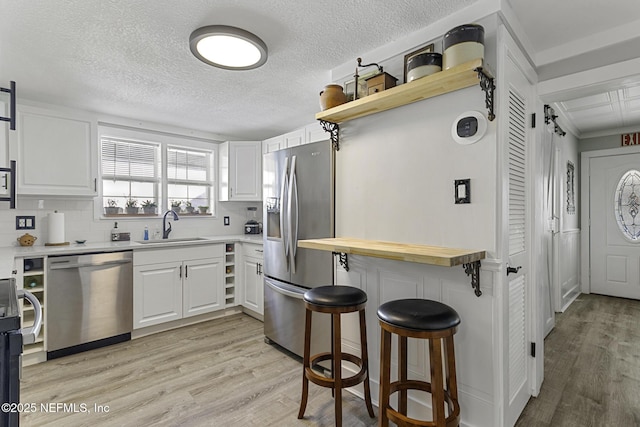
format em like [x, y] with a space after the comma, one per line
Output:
[292, 181]
[293, 293]
[294, 231]
[283, 209]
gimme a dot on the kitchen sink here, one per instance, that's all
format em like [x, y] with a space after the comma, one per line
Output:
[184, 239]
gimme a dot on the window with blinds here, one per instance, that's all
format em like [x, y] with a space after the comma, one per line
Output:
[146, 178]
[131, 176]
[189, 174]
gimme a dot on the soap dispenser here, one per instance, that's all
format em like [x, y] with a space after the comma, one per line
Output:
[115, 232]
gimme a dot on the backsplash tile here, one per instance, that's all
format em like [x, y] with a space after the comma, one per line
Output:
[80, 223]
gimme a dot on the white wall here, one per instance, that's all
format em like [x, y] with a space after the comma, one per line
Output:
[395, 175]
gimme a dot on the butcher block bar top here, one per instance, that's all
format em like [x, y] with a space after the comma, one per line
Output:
[435, 255]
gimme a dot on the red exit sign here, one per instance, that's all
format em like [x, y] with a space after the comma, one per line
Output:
[630, 138]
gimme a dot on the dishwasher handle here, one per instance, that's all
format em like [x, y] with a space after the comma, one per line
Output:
[29, 335]
[60, 265]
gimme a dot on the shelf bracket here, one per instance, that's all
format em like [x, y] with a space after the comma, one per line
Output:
[343, 260]
[487, 84]
[334, 129]
[473, 269]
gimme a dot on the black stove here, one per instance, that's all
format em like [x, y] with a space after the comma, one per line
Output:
[10, 350]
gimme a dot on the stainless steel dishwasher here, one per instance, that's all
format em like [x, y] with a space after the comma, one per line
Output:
[89, 301]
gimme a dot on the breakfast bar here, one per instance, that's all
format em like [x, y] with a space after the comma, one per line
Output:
[390, 271]
[424, 254]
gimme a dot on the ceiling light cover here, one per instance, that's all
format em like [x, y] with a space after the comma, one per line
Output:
[228, 47]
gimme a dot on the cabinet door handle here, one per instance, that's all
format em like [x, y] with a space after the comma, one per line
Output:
[180, 272]
[6, 182]
[186, 271]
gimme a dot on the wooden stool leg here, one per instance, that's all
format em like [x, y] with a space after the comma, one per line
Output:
[385, 377]
[337, 368]
[437, 386]
[365, 362]
[305, 363]
[450, 367]
[402, 373]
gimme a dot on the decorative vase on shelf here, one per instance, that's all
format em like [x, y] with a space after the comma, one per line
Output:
[332, 96]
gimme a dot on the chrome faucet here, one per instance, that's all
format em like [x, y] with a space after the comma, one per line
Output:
[165, 230]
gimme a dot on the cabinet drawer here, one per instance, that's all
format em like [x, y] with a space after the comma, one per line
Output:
[252, 250]
[375, 88]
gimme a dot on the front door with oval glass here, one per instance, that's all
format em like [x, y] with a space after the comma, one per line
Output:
[615, 225]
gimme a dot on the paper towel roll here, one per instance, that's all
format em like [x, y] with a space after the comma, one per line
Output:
[56, 227]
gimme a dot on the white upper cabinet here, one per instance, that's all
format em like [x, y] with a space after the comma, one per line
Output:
[241, 171]
[314, 133]
[294, 138]
[306, 135]
[273, 144]
[55, 153]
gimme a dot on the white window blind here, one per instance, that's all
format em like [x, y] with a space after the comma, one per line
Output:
[188, 165]
[126, 159]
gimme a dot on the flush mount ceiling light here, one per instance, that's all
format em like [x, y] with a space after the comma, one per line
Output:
[228, 47]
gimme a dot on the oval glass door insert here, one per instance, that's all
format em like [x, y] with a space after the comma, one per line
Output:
[627, 205]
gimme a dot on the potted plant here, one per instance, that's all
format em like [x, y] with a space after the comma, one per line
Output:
[189, 208]
[175, 205]
[203, 209]
[131, 206]
[112, 207]
[149, 207]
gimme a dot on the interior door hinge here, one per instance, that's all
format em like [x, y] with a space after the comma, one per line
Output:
[533, 120]
[533, 349]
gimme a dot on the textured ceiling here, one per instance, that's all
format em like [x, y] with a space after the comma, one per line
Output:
[132, 58]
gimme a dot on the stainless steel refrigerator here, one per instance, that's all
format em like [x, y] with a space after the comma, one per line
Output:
[298, 204]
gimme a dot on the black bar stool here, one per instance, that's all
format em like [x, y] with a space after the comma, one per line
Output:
[335, 300]
[422, 319]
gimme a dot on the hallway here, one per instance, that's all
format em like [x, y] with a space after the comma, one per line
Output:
[592, 367]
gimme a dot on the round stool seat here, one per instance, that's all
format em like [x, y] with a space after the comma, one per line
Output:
[418, 314]
[335, 296]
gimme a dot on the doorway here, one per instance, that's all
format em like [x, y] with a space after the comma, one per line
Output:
[613, 242]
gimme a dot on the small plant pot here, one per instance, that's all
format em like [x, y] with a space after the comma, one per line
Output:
[132, 211]
[111, 210]
[149, 211]
[190, 209]
[203, 210]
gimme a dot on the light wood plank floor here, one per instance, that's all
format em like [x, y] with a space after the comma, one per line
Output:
[217, 373]
[592, 367]
[221, 373]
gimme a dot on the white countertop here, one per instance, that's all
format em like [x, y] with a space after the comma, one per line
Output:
[8, 253]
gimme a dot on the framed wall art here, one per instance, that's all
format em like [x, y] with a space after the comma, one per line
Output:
[571, 203]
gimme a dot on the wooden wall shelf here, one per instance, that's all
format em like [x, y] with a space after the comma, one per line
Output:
[434, 255]
[455, 78]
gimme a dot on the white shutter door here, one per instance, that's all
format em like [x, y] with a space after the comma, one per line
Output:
[517, 390]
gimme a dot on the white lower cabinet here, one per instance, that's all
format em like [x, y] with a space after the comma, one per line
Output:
[252, 275]
[174, 283]
[157, 294]
[202, 290]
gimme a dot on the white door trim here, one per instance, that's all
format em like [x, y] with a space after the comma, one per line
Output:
[585, 215]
